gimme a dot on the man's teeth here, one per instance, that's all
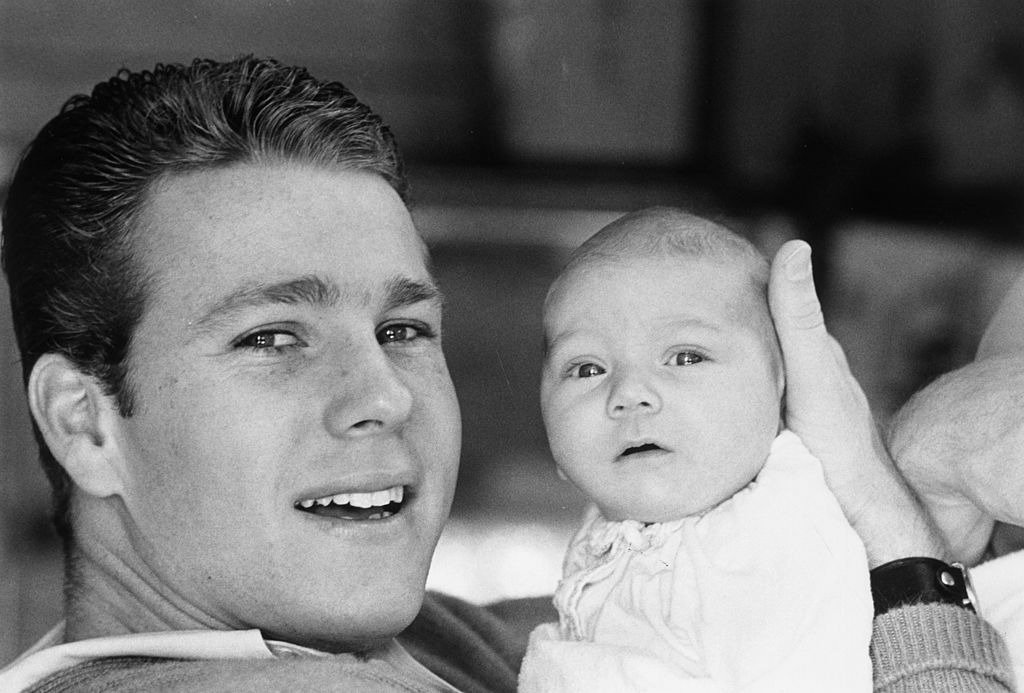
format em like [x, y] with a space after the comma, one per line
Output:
[369, 499]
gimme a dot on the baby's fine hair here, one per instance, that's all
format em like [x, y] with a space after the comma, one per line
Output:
[670, 232]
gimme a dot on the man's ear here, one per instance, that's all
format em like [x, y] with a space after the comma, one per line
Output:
[77, 420]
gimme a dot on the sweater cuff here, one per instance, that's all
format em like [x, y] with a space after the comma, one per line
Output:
[938, 647]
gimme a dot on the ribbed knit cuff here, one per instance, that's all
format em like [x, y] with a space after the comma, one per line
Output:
[938, 647]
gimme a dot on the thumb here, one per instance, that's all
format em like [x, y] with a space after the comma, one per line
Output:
[796, 311]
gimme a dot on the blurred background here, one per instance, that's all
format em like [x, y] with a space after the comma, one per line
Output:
[888, 134]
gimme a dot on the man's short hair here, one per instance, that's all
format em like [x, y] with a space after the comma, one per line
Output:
[69, 217]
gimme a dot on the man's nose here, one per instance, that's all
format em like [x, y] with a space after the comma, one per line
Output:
[369, 398]
[632, 393]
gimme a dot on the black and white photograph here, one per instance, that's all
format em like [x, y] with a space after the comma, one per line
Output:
[512, 346]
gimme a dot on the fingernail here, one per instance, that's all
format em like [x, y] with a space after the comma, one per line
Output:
[798, 264]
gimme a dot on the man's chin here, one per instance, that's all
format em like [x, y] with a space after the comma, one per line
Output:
[361, 632]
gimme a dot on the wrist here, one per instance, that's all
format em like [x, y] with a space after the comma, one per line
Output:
[919, 540]
[921, 580]
[895, 526]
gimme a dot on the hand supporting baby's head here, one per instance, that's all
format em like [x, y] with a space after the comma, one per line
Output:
[662, 383]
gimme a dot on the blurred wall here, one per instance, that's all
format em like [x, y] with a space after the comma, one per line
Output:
[873, 78]
[405, 58]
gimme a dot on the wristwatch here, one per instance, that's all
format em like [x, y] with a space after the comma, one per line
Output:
[921, 580]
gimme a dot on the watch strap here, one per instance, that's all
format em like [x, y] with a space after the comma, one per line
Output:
[921, 580]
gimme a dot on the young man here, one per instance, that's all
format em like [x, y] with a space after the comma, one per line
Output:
[231, 344]
[232, 348]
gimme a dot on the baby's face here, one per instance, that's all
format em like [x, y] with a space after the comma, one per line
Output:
[660, 391]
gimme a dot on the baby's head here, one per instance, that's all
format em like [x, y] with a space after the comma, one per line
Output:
[663, 380]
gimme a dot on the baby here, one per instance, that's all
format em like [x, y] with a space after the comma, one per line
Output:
[714, 556]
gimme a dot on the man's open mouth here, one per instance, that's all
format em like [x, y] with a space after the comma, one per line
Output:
[369, 505]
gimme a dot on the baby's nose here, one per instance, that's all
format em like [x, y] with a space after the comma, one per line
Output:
[633, 395]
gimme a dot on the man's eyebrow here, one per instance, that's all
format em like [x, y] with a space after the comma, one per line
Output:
[312, 290]
[402, 291]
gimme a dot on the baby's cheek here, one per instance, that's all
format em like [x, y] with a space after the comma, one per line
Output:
[570, 446]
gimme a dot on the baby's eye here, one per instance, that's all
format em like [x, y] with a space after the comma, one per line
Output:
[588, 370]
[686, 358]
[268, 340]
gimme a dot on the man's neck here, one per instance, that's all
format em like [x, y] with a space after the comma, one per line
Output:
[106, 594]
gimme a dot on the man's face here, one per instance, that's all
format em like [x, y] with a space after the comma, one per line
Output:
[659, 392]
[287, 371]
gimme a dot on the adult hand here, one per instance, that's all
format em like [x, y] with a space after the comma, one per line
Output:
[827, 408]
[959, 440]
[959, 443]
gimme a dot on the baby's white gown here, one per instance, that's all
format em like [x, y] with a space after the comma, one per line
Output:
[767, 591]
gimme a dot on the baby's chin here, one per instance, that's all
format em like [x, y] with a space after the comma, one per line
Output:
[649, 516]
[670, 512]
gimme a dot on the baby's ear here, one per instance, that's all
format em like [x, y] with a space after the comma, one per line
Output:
[77, 420]
[560, 473]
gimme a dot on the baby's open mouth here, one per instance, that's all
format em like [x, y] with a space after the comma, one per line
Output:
[638, 449]
[369, 505]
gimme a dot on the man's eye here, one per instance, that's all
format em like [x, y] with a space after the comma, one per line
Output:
[392, 334]
[588, 370]
[269, 340]
[686, 358]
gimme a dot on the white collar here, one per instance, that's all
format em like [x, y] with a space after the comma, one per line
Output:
[51, 654]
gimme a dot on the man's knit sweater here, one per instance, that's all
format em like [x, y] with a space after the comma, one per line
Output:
[479, 649]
